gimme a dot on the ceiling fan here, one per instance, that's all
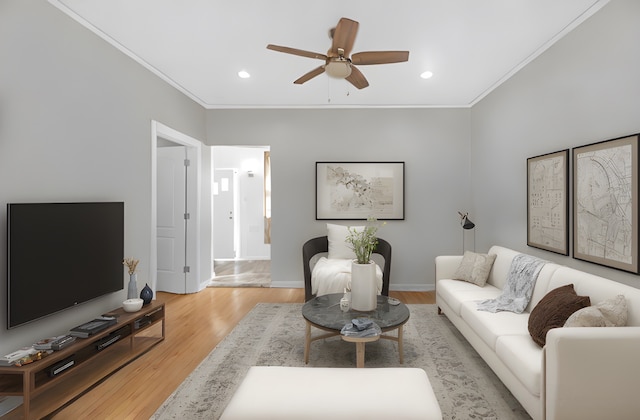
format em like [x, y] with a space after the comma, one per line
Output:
[337, 61]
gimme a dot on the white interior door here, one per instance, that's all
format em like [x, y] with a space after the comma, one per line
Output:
[224, 242]
[171, 221]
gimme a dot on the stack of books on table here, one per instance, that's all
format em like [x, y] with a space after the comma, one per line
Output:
[54, 343]
[14, 357]
[93, 327]
[45, 343]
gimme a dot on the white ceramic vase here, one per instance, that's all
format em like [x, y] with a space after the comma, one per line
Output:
[364, 293]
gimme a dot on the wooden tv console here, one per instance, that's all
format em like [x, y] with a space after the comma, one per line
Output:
[43, 394]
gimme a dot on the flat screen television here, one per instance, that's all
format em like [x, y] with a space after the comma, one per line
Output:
[60, 255]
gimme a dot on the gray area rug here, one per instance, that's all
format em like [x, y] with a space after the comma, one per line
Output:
[273, 335]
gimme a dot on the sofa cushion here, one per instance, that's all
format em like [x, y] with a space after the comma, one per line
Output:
[501, 266]
[474, 268]
[553, 310]
[523, 358]
[454, 292]
[608, 313]
[489, 326]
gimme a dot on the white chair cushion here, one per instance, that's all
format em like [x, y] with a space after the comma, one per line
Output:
[338, 247]
[334, 275]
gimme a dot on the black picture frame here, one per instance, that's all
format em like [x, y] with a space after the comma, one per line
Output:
[548, 202]
[605, 203]
[360, 190]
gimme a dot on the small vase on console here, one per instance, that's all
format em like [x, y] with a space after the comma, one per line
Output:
[146, 294]
[364, 293]
[132, 291]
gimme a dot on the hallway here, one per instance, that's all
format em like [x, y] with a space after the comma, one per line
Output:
[241, 273]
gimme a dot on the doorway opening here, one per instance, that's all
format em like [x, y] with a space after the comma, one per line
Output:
[241, 216]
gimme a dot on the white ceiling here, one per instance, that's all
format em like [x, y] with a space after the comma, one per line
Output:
[198, 46]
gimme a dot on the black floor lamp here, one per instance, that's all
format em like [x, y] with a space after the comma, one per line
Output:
[467, 225]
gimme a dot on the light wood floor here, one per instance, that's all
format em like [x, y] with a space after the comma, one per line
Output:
[195, 324]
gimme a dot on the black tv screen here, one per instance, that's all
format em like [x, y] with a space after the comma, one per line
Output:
[60, 255]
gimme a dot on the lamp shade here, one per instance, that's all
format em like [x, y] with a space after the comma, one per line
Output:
[467, 224]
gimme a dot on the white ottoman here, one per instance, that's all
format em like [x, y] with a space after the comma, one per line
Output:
[272, 392]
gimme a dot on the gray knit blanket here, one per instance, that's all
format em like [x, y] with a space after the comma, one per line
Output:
[516, 294]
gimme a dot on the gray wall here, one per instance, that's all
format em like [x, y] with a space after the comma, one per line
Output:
[585, 89]
[75, 124]
[433, 143]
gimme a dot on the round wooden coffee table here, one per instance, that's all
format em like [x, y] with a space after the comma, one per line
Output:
[324, 313]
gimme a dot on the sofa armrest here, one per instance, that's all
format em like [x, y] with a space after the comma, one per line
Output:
[446, 266]
[591, 373]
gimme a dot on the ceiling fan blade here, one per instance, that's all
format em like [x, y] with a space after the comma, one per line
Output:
[313, 73]
[295, 51]
[357, 79]
[344, 36]
[379, 57]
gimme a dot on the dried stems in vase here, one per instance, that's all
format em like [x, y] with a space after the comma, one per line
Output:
[131, 264]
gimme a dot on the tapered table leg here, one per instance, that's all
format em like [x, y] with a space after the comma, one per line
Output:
[307, 343]
[400, 346]
[360, 342]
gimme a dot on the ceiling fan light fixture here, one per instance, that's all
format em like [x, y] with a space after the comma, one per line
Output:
[339, 69]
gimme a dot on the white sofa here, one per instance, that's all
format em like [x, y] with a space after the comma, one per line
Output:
[581, 373]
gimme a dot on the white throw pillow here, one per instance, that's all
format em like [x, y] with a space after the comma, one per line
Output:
[608, 313]
[474, 268]
[338, 247]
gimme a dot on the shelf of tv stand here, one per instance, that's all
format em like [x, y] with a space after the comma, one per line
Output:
[43, 394]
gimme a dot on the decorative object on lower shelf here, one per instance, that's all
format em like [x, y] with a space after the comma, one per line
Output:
[146, 294]
[139, 323]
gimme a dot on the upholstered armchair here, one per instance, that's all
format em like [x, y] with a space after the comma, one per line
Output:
[313, 248]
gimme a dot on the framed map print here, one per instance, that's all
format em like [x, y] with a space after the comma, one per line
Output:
[605, 203]
[359, 190]
[548, 202]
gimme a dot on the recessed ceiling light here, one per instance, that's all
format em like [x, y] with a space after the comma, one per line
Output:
[427, 75]
[244, 74]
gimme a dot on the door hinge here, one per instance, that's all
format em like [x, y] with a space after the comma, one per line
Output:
[187, 162]
[187, 269]
[187, 216]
